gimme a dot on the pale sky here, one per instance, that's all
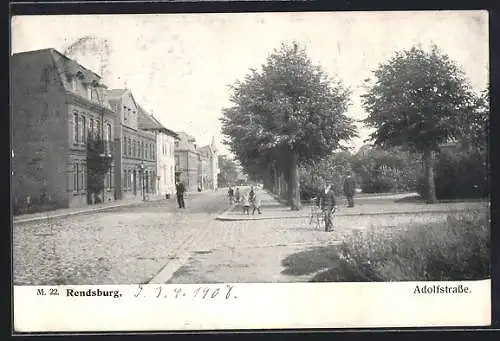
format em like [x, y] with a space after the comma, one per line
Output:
[179, 65]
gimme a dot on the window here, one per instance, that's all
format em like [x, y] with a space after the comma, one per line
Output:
[89, 92]
[73, 84]
[109, 132]
[176, 143]
[91, 126]
[124, 181]
[75, 127]
[177, 161]
[153, 152]
[110, 179]
[134, 150]
[75, 177]
[129, 147]
[142, 150]
[145, 152]
[82, 177]
[172, 173]
[84, 129]
[105, 137]
[125, 118]
[97, 128]
[124, 146]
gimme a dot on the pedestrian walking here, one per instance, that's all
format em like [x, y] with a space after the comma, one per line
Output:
[246, 204]
[180, 190]
[237, 195]
[349, 189]
[328, 204]
[230, 194]
[251, 195]
[256, 204]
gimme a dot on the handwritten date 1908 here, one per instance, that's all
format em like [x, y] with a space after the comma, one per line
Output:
[204, 293]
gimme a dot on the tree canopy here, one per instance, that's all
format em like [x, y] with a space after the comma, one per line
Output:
[418, 100]
[288, 113]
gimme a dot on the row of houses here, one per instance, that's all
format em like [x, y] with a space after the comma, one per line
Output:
[58, 105]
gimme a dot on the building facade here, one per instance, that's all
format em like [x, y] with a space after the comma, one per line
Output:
[56, 103]
[135, 149]
[208, 169]
[165, 160]
[186, 161]
[204, 176]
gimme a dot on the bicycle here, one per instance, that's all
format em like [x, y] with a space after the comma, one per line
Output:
[317, 216]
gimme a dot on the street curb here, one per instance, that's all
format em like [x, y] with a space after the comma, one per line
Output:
[227, 209]
[62, 215]
[343, 215]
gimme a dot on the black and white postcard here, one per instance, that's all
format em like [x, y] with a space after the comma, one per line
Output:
[208, 171]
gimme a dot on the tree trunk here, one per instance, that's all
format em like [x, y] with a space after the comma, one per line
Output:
[294, 183]
[429, 177]
[275, 180]
[282, 183]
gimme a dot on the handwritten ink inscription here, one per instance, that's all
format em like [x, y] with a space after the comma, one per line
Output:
[203, 292]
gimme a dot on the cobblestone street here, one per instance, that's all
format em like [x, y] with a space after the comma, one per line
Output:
[120, 245]
[157, 243]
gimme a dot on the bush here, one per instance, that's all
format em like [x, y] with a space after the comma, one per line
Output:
[379, 184]
[457, 249]
[459, 174]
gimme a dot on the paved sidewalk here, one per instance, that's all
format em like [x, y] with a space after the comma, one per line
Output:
[25, 218]
[272, 209]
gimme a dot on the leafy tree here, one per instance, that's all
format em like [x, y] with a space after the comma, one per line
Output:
[418, 101]
[382, 170]
[285, 115]
[475, 124]
[228, 171]
[332, 169]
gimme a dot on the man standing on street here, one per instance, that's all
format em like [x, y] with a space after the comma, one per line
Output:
[180, 189]
[349, 190]
[328, 204]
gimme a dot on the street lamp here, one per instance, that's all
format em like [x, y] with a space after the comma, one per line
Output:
[142, 181]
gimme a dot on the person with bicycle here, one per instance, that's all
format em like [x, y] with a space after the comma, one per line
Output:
[328, 205]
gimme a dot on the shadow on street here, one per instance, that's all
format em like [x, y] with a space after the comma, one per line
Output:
[310, 261]
[324, 262]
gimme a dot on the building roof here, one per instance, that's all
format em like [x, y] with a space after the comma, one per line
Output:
[147, 121]
[205, 150]
[186, 142]
[115, 93]
[65, 67]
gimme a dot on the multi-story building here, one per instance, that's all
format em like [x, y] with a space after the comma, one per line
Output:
[187, 161]
[204, 176]
[56, 103]
[165, 160]
[135, 149]
[208, 166]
